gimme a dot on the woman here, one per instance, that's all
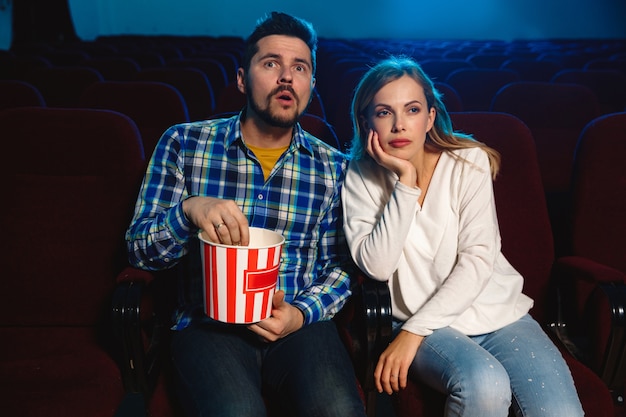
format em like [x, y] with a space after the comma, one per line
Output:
[420, 214]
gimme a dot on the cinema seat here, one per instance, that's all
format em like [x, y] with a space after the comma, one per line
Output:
[192, 83]
[609, 86]
[556, 114]
[477, 86]
[153, 106]
[16, 93]
[62, 86]
[593, 277]
[69, 200]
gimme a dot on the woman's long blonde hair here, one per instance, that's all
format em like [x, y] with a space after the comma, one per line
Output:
[441, 136]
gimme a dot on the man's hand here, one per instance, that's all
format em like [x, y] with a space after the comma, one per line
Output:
[285, 319]
[221, 220]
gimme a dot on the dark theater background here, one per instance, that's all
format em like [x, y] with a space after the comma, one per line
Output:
[542, 81]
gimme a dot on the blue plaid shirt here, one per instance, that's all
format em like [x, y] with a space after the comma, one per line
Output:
[300, 199]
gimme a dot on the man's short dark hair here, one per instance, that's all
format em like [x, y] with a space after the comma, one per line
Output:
[278, 23]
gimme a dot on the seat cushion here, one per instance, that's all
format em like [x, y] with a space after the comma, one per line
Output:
[57, 371]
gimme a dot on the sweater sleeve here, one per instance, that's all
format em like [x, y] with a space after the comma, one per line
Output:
[378, 212]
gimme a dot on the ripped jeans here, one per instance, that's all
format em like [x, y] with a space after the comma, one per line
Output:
[484, 375]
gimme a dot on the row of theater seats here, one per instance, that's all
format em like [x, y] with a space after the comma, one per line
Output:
[584, 214]
[556, 88]
[77, 320]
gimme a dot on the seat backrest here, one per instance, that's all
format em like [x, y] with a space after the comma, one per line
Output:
[488, 59]
[599, 192]
[153, 106]
[214, 70]
[522, 215]
[339, 104]
[608, 85]
[555, 114]
[16, 93]
[230, 99]
[192, 83]
[451, 97]
[320, 128]
[70, 200]
[618, 64]
[113, 68]
[530, 69]
[62, 86]
[439, 69]
[478, 86]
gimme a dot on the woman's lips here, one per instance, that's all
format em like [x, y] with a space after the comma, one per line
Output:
[399, 143]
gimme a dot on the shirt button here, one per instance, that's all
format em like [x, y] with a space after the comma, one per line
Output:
[260, 196]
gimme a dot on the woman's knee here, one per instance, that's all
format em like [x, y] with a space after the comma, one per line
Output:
[483, 388]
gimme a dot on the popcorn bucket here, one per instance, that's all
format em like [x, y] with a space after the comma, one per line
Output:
[240, 281]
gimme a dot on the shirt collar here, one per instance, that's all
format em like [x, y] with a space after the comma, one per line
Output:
[300, 140]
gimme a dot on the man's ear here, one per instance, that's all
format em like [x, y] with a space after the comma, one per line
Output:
[241, 80]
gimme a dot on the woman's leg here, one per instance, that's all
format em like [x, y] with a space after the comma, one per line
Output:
[475, 383]
[218, 371]
[541, 382]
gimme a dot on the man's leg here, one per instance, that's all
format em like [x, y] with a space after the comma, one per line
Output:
[309, 373]
[218, 371]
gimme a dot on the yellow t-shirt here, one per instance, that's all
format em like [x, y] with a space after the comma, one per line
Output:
[267, 157]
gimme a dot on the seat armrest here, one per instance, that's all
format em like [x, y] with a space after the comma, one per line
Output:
[137, 330]
[592, 305]
[372, 327]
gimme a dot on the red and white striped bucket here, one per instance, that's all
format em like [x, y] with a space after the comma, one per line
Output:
[240, 281]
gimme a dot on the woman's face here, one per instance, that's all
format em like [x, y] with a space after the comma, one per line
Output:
[400, 115]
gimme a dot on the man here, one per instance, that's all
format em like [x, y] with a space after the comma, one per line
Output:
[259, 169]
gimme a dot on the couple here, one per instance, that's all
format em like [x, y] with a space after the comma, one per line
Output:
[457, 306]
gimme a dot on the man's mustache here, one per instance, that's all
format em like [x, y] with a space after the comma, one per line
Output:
[282, 88]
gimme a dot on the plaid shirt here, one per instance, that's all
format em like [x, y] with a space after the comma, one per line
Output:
[300, 200]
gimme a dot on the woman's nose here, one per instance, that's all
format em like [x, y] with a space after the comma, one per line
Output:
[398, 124]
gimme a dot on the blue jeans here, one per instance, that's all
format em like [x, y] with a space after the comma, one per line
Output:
[484, 375]
[225, 370]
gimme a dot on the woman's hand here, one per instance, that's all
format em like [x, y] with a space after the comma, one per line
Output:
[402, 168]
[392, 371]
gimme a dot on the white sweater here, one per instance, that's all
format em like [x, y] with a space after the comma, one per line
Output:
[443, 261]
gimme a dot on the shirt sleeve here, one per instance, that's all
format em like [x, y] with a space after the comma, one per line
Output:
[158, 233]
[331, 286]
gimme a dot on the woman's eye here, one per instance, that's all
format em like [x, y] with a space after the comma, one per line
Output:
[414, 110]
[382, 113]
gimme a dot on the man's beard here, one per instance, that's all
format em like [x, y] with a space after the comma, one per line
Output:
[266, 113]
